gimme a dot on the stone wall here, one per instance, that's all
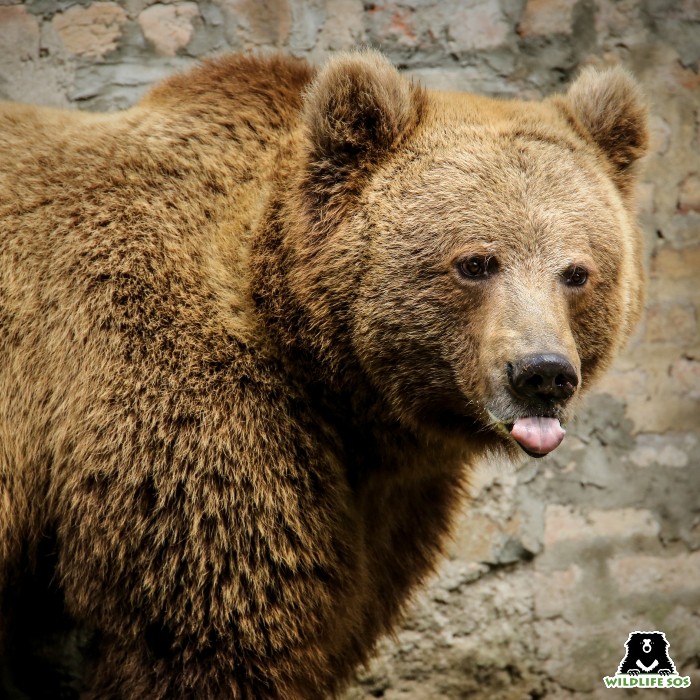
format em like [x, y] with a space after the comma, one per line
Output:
[551, 566]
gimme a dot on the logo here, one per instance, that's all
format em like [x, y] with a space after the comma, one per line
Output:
[646, 664]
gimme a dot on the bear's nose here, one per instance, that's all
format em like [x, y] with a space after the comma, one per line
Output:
[543, 376]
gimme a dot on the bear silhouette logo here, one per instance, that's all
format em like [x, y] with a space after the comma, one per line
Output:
[646, 664]
[647, 653]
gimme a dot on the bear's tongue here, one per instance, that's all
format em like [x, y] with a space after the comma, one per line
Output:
[539, 435]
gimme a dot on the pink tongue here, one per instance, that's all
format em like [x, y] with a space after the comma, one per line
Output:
[540, 435]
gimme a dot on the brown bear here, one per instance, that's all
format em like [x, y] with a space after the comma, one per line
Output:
[254, 332]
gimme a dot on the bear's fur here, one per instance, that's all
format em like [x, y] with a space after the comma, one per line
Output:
[646, 653]
[244, 369]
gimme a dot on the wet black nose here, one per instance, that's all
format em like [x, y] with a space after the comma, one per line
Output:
[544, 377]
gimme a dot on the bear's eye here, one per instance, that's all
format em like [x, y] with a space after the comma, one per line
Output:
[476, 266]
[576, 276]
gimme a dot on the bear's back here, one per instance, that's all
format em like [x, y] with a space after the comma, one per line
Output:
[165, 192]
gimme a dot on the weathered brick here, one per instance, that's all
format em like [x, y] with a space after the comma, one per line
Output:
[628, 383]
[564, 523]
[660, 134]
[255, 23]
[689, 194]
[659, 450]
[477, 26]
[688, 10]
[480, 538]
[543, 17]
[615, 17]
[343, 27]
[676, 264]
[91, 31]
[169, 27]
[645, 197]
[671, 322]
[646, 574]
[554, 590]
[683, 77]
[392, 25]
[686, 373]
[19, 34]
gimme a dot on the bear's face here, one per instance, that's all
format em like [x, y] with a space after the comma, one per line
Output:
[495, 264]
[646, 652]
[481, 256]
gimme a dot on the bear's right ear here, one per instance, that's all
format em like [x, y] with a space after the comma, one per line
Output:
[356, 111]
[610, 107]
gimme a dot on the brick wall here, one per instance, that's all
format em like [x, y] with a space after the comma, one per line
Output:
[553, 565]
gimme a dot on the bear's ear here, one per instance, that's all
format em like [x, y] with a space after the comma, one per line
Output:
[610, 107]
[356, 111]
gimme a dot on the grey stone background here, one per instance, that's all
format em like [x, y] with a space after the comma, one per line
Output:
[551, 565]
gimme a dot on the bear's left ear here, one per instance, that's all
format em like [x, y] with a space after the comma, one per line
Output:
[610, 107]
[357, 110]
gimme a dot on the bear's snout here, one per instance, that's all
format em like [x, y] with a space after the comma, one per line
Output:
[543, 377]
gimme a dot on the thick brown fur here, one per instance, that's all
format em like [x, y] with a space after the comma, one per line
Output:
[241, 380]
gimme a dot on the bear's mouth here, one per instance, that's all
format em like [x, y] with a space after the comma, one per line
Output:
[537, 436]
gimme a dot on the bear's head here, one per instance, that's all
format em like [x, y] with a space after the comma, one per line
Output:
[646, 652]
[477, 260]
